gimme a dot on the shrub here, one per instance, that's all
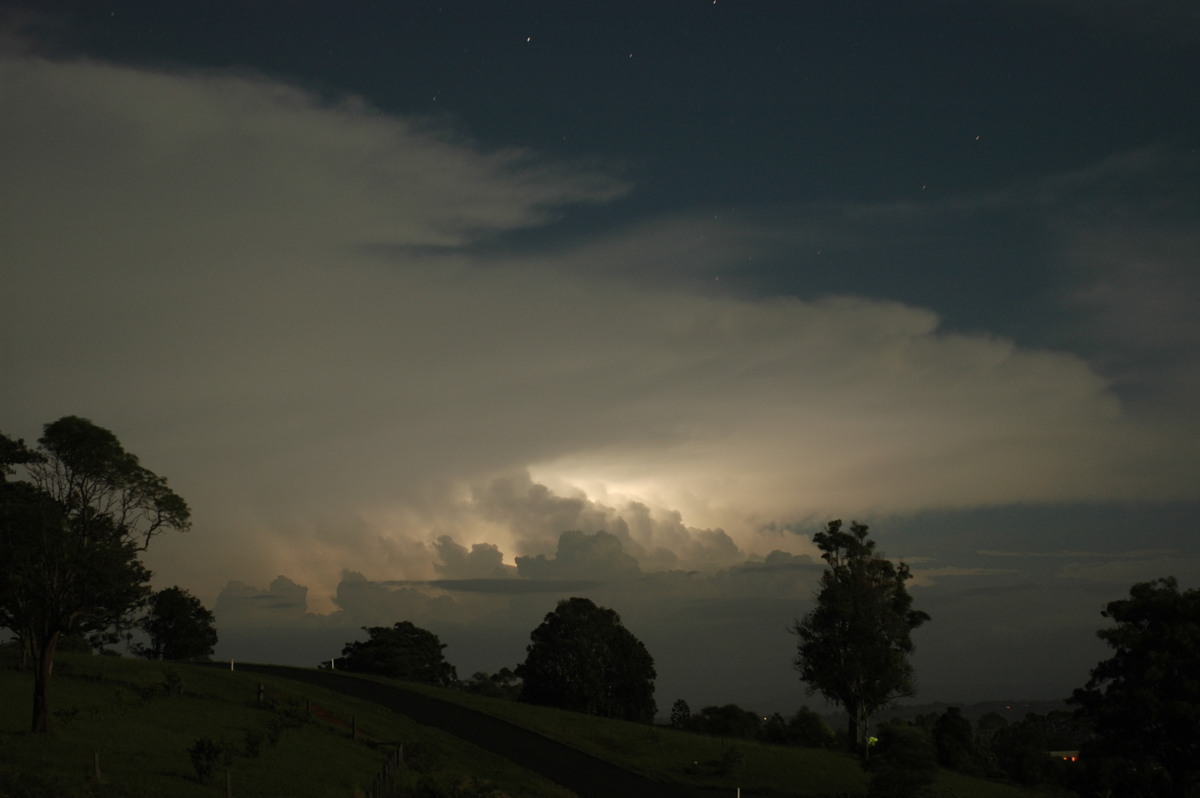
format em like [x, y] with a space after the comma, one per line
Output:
[810, 730]
[205, 754]
[253, 743]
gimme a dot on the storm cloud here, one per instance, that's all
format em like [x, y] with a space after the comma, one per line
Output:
[311, 315]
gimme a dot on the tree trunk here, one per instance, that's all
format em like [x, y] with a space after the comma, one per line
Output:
[856, 731]
[41, 683]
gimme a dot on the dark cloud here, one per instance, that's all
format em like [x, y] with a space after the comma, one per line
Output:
[484, 562]
[516, 586]
[581, 555]
[283, 602]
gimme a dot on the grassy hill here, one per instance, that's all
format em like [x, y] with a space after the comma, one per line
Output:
[139, 719]
[758, 769]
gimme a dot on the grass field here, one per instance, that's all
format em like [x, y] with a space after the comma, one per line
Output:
[139, 719]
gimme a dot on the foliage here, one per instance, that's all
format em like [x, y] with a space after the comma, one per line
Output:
[205, 754]
[1019, 751]
[854, 645]
[904, 763]
[681, 713]
[729, 720]
[1145, 700]
[809, 729]
[501, 684]
[70, 538]
[404, 651]
[986, 730]
[179, 627]
[955, 741]
[774, 729]
[581, 658]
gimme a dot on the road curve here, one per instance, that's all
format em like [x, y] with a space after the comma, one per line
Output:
[583, 774]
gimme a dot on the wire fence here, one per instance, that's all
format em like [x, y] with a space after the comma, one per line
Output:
[387, 783]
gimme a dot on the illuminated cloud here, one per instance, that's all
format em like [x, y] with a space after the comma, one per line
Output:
[328, 402]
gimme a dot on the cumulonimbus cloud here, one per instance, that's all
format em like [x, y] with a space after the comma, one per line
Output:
[280, 303]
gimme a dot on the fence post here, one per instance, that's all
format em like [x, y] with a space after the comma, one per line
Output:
[96, 764]
[261, 690]
[228, 784]
[354, 727]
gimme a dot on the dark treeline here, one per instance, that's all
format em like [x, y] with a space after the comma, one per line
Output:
[804, 728]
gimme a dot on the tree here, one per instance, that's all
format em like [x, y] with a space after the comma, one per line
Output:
[404, 651]
[854, 645]
[681, 714]
[1144, 702]
[501, 684]
[70, 539]
[1020, 750]
[581, 658]
[809, 729]
[729, 720]
[955, 741]
[179, 627]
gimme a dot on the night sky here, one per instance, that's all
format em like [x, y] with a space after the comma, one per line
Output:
[442, 312]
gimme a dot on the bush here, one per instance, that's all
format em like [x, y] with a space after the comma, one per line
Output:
[725, 721]
[205, 754]
[253, 743]
[810, 730]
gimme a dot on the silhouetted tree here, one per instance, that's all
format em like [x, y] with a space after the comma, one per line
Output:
[986, 729]
[774, 729]
[403, 651]
[1022, 750]
[681, 713]
[581, 658]
[501, 684]
[70, 538]
[955, 741]
[1144, 701]
[854, 645]
[179, 627]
